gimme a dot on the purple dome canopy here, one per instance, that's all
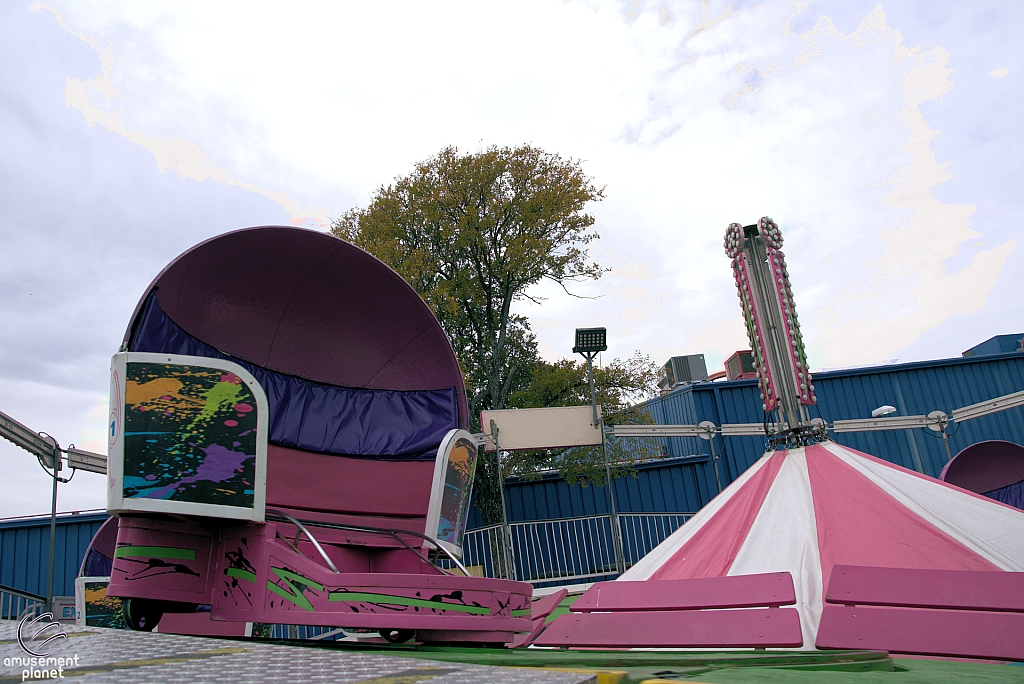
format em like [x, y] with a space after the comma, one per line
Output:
[305, 303]
[302, 304]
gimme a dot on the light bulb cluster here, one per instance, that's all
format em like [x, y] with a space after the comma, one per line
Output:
[766, 385]
[782, 309]
[733, 240]
[784, 291]
[770, 232]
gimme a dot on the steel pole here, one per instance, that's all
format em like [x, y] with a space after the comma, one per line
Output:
[945, 440]
[53, 527]
[593, 394]
[506, 531]
[714, 462]
[620, 564]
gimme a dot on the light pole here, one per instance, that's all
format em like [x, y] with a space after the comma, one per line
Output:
[506, 531]
[589, 343]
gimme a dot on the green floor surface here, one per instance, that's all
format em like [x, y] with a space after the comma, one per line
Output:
[908, 671]
[639, 665]
[718, 667]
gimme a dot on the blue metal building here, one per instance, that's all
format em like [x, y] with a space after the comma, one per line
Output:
[669, 485]
[913, 388]
[998, 345]
[685, 480]
[25, 551]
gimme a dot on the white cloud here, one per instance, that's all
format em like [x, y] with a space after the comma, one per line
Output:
[183, 157]
[352, 95]
[692, 114]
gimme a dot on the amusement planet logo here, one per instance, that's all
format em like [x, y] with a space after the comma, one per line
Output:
[40, 664]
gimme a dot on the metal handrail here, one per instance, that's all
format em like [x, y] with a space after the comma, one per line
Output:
[21, 594]
[309, 535]
[373, 530]
[15, 598]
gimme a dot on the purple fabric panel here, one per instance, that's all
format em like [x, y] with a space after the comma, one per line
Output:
[97, 565]
[99, 556]
[317, 417]
[1012, 495]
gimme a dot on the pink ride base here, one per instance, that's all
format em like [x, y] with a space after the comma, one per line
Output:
[259, 573]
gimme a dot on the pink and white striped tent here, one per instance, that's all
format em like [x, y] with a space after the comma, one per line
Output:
[806, 510]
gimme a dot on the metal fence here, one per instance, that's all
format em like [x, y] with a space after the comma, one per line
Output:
[15, 604]
[573, 549]
[641, 532]
[566, 550]
[313, 633]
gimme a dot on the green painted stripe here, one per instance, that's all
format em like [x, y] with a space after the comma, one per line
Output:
[522, 612]
[298, 599]
[356, 597]
[242, 574]
[154, 552]
[294, 577]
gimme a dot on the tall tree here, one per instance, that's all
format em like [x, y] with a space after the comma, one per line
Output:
[472, 233]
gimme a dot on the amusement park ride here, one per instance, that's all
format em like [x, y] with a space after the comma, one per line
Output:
[288, 445]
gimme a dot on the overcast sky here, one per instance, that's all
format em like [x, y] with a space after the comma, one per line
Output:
[885, 139]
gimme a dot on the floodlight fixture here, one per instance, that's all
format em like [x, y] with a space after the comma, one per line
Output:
[938, 421]
[883, 411]
[590, 341]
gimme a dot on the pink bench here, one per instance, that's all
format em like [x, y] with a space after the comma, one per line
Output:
[680, 613]
[964, 613]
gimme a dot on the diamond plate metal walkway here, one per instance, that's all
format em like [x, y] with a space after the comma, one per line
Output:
[116, 656]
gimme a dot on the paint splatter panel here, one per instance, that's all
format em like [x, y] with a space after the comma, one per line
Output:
[93, 607]
[448, 510]
[190, 435]
[461, 464]
[187, 436]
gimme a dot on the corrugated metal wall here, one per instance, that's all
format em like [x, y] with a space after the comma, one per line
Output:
[913, 388]
[25, 551]
[673, 485]
[685, 481]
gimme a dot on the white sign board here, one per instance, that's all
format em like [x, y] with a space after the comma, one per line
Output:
[542, 428]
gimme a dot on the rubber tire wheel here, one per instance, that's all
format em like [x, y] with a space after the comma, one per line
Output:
[396, 636]
[141, 615]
